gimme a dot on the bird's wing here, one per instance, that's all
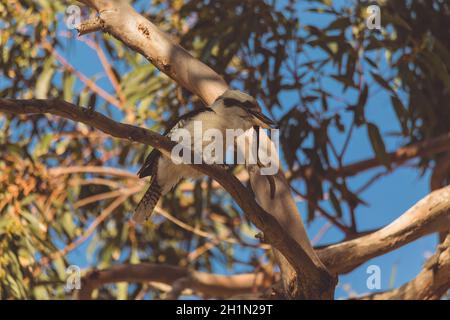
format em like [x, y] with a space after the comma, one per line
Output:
[151, 162]
[180, 122]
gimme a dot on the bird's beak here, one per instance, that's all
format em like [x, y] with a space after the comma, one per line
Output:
[262, 121]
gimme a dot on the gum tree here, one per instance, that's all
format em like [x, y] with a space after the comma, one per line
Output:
[70, 142]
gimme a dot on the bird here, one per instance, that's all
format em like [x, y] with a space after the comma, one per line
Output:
[234, 109]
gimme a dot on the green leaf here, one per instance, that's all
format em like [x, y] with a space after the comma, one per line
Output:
[396, 20]
[60, 267]
[69, 81]
[363, 96]
[68, 225]
[347, 81]
[122, 290]
[340, 23]
[437, 66]
[40, 293]
[134, 258]
[92, 100]
[378, 144]
[44, 80]
[371, 62]
[335, 203]
[380, 80]
[83, 98]
[43, 145]
[324, 101]
[400, 111]
[61, 146]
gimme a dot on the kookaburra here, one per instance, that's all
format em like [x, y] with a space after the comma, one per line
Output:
[232, 110]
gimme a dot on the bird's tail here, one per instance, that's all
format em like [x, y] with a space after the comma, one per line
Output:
[146, 206]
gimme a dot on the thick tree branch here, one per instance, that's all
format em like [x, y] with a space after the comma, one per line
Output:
[274, 231]
[144, 37]
[118, 18]
[203, 283]
[123, 22]
[290, 224]
[430, 284]
[429, 215]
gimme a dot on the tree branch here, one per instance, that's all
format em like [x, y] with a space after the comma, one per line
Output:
[88, 26]
[429, 215]
[309, 279]
[422, 149]
[123, 22]
[87, 82]
[108, 171]
[86, 234]
[142, 36]
[207, 284]
[313, 279]
[430, 284]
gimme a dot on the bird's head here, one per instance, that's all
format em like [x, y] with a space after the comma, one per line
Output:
[245, 107]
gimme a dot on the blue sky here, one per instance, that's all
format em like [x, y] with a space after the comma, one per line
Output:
[387, 199]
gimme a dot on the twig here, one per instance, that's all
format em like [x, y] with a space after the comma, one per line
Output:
[73, 245]
[429, 215]
[177, 288]
[430, 284]
[109, 171]
[138, 33]
[106, 195]
[422, 149]
[101, 182]
[88, 82]
[321, 233]
[274, 232]
[90, 25]
[107, 68]
[346, 230]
